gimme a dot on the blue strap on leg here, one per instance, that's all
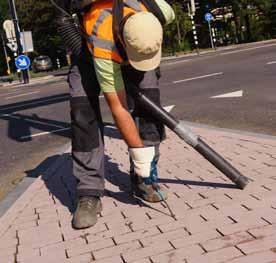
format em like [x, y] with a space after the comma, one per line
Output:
[153, 178]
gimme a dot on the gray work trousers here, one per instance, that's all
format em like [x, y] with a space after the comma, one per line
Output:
[87, 124]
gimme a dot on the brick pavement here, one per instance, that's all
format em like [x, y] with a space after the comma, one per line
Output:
[215, 222]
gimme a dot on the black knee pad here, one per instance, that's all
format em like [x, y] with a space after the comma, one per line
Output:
[85, 125]
[150, 129]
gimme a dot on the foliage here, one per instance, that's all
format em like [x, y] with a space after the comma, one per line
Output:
[3, 16]
[175, 33]
[252, 19]
[42, 25]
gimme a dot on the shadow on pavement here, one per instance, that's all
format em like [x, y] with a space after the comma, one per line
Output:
[62, 184]
[56, 173]
[19, 125]
[197, 183]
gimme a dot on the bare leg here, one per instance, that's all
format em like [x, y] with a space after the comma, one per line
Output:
[123, 119]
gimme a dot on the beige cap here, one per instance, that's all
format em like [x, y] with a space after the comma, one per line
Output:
[143, 35]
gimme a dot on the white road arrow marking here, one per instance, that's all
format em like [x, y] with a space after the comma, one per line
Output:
[235, 94]
[168, 108]
[271, 62]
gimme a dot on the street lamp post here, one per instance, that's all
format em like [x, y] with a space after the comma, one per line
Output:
[17, 34]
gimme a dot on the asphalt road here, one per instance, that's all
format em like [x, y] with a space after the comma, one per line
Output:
[35, 121]
[248, 71]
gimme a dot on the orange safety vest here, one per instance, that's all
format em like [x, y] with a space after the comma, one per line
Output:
[98, 26]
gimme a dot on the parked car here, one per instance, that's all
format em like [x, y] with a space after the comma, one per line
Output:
[42, 63]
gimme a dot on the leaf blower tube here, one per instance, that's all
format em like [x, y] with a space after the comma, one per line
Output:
[67, 27]
[189, 137]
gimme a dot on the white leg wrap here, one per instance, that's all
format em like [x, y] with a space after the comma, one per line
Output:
[142, 159]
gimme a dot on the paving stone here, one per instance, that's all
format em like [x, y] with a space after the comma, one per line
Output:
[116, 250]
[226, 241]
[260, 232]
[195, 238]
[94, 246]
[85, 258]
[140, 234]
[264, 257]
[261, 244]
[178, 255]
[214, 221]
[153, 249]
[221, 255]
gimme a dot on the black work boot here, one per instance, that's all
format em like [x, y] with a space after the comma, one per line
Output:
[88, 208]
[150, 192]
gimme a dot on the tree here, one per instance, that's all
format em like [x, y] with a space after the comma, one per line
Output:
[272, 19]
[252, 18]
[42, 25]
[175, 33]
[3, 16]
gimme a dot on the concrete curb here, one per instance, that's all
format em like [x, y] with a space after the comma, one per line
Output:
[232, 131]
[44, 80]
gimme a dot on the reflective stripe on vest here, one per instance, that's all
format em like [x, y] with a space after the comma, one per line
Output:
[135, 5]
[98, 25]
[105, 13]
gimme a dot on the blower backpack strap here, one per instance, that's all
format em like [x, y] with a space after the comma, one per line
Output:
[118, 14]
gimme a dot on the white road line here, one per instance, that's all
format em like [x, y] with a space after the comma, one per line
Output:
[9, 93]
[44, 133]
[34, 103]
[234, 94]
[21, 95]
[245, 49]
[199, 77]
[176, 62]
[271, 62]
[30, 120]
[166, 108]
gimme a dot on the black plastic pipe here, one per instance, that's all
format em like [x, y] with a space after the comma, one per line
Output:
[186, 134]
[221, 164]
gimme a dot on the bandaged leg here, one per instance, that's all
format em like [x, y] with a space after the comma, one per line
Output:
[145, 181]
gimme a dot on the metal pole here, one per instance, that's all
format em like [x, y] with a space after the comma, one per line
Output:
[211, 37]
[194, 33]
[214, 38]
[6, 55]
[17, 34]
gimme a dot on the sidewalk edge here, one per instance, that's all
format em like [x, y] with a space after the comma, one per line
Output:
[29, 191]
[233, 131]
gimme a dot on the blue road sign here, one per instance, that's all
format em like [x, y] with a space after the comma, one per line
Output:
[208, 17]
[22, 62]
